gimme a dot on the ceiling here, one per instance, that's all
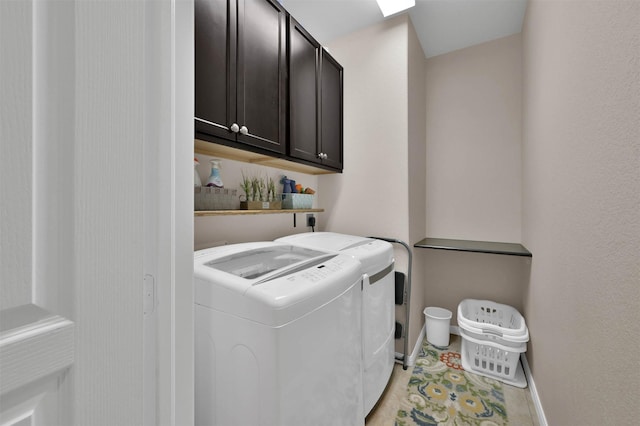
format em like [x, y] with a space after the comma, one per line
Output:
[442, 25]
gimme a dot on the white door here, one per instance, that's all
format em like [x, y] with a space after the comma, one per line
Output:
[36, 336]
[96, 212]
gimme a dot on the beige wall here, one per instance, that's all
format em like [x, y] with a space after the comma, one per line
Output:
[372, 196]
[581, 157]
[452, 276]
[473, 172]
[473, 142]
[417, 176]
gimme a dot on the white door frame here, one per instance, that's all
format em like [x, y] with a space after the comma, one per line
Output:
[173, 260]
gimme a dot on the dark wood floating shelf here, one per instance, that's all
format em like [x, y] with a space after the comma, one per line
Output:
[511, 249]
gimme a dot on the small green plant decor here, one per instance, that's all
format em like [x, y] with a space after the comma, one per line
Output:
[260, 193]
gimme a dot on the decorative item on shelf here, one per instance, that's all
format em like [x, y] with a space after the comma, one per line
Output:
[296, 196]
[288, 185]
[271, 190]
[247, 187]
[260, 205]
[297, 201]
[211, 198]
[260, 194]
[196, 176]
[258, 189]
[214, 179]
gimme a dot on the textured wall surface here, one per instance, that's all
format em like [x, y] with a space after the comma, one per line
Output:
[452, 276]
[417, 175]
[473, 125]
[473, 178]
[371, 195]
[581, 175]
[381, 136]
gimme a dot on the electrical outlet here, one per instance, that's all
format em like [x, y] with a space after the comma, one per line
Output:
[311, 220]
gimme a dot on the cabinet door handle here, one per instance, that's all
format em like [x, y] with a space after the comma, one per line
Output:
[234, 128]
[322, 156]
[244, 130]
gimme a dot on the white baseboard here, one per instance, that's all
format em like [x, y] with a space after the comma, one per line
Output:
[416, 347]
[411, 361]
[534, 392]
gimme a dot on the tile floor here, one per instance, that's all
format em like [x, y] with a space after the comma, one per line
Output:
[520, 408]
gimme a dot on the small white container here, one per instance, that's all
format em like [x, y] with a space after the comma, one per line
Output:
[437, 326]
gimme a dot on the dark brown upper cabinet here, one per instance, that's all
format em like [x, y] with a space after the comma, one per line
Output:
[315, 101]
[240, 73]
[304, 64]
[331, 111]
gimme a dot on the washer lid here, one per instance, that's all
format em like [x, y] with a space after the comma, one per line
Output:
[374, 254]
[271, 283]
[258, 262]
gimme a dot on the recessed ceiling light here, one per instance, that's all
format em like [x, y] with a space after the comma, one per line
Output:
[389, 7]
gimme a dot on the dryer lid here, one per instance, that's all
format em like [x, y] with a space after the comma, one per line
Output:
[327, 240]
[375, 255]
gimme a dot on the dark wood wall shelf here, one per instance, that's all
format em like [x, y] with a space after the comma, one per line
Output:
[511, 249]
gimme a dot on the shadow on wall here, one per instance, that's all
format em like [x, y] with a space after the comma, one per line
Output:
[526, 283]
[452, 276]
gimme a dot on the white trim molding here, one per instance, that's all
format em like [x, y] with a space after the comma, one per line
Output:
[411, 361]
[416, 348]
[534, 391]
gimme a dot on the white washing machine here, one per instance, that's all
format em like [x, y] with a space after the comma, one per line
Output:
[378, 304]
[278, 336]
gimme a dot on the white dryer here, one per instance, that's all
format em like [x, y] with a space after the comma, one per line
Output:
[378, 302]
[278, 336]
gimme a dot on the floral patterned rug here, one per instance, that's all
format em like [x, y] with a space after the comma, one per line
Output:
[440, 392]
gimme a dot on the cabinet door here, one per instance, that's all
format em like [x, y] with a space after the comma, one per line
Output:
[215, 67]
[303, 93]
[331, 113]
[261, 74]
